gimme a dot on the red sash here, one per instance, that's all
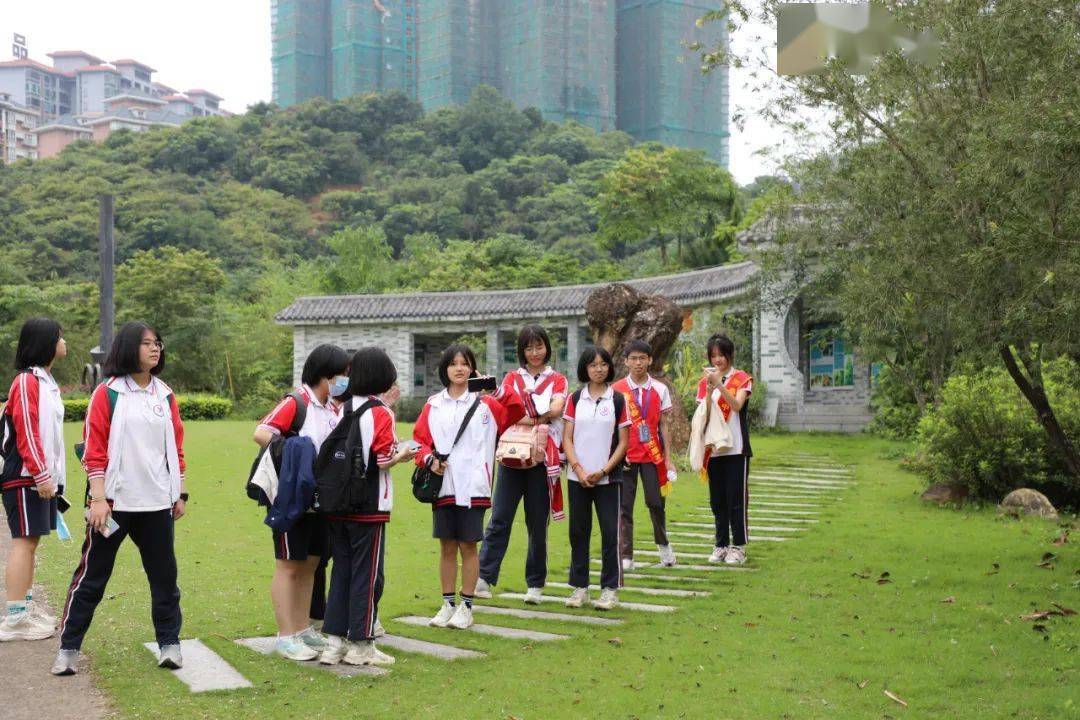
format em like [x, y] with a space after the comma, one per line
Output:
[656, 455]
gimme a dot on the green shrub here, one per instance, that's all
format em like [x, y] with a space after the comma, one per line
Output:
[985, 435]
[192, 407]
[75, 408]
[204, 407]
[408, 409]
[896, 414]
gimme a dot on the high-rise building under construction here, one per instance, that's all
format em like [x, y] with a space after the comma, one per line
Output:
[607, 64]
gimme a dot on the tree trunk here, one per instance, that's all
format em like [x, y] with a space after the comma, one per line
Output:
[663, 245]
[1035, 393]
[617, 314]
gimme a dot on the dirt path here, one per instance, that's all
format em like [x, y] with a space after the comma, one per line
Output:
[33, 693]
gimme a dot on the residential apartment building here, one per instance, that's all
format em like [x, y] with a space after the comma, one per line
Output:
[17, 125]
[627, 64]
[83, 97]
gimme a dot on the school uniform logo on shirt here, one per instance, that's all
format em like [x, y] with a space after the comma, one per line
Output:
[159, 411]
[604, 410]
[485, 417]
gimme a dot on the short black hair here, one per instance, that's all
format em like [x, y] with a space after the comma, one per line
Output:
[324, 362]
[123, 357]
[448, 357]
[637, 346]
[722, 344]
[372, 372]
[589, 354]
[528, 335]
[37, 343]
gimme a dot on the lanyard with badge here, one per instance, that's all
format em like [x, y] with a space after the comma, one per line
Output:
[644, 434]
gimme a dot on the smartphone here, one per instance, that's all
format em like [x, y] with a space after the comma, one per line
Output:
[480, 384]
[62, 503]
[111, 525]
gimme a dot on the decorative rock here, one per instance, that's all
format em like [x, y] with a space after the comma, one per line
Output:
[946, 494]
[1026, 501]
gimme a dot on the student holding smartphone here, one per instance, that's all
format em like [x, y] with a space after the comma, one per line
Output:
[133, 454]
[730, 388]
[543, 394]
[458, 513]
[33, 474]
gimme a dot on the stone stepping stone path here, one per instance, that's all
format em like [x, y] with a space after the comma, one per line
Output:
[423, 647]
[670, 592]
[759, 495]
[710, 536]
[543, 615]
[204, 669]
[682, 566]
[777, 480]
[644, 607]
[786, 497]
[265, 646]
[495, 630]
[643, 576]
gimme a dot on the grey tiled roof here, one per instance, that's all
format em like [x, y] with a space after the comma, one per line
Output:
[689, 288]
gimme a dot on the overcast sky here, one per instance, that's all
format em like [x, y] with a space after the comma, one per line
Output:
[224, 46]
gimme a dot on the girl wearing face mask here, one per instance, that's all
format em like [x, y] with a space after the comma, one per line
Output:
[298, 586]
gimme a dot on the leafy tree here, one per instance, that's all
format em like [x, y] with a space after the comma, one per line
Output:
[946, 211]
[656, 193]
[362, 262]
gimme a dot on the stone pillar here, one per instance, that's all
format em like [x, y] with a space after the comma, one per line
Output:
[403, 360]
[573, 347]
[299, 352]
[494, 351]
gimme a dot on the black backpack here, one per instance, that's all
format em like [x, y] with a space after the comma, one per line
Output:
[274, 447]
[619, 401]
[11, 463]
[346, 482]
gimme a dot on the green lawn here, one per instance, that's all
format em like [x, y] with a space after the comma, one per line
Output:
[806, 636]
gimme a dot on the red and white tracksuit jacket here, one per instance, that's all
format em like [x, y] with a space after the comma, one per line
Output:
[468, 477]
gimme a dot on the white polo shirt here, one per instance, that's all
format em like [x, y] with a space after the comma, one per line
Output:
[144, 466]
[594, 425]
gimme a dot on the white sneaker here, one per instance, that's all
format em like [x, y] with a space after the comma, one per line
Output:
[627, 563]
[462, 619]
[718, 555]
[336, 647]
[66, 663]
[40, 613]
[313, 639]
[292, 648]
[577, 598]
[443, 617]
[483, 590]
[609, 600]
[365, 653]
[667, 555]
[378, 631]
[24, 627]
[533, 596]
[169, 657]
[735, 556]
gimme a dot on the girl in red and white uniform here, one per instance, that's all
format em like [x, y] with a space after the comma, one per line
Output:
[298, 587]
[358, 539]
[134, 461]
[543, 394]
[729, 472]
[33, 472]
[458, 514]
